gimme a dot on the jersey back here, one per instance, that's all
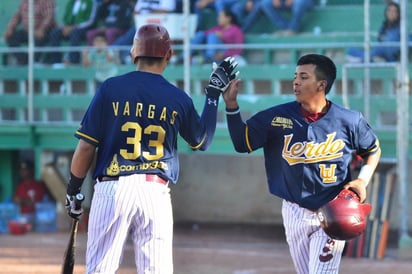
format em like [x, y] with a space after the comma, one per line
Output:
[135, 119]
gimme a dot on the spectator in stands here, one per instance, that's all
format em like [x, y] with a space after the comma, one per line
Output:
[200, 7]
[242, 8]
[389, 32]
[77, 19]
[29, 191]
[141, 7]
[113, 19]
[16, 33]
[288, 24]
[215, 6]
[101, 58]
[227, 31]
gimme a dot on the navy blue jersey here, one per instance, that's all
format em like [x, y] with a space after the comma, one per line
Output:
[135, 119]
[306, 163]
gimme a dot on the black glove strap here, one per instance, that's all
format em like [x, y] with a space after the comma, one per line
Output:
[75, 183]
[212, 92]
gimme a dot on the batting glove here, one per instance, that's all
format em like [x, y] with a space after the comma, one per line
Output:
[74, 205]
[221, 76]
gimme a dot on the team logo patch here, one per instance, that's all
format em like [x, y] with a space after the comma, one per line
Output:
[281, 122]
[211, 101]
[311, 152]
[321, 217]
[113, 169]
[216, 81]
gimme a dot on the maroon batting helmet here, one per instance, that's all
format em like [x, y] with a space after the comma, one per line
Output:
[344, 217]
[151, 40]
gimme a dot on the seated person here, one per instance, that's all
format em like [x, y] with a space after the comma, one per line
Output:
[199, 7]
[16, 33]
[242, 8]
[29, 191]
[389, 32]
[288, 24]
[77, 19]
[113, 19]
[101, 58]
[226, 31]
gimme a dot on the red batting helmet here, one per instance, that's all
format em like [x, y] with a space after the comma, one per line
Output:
[151, 40]
[344, 217]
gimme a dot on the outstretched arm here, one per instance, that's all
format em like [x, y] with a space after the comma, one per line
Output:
[237, 128]
[219, 81]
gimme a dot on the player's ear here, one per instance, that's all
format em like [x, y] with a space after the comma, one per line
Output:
[169, 55]
[322, 85]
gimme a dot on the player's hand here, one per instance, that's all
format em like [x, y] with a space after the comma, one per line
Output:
[73, 205]
[358, 186]
[230, 96]
[221, 77]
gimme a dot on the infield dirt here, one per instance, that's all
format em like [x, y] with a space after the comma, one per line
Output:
[198, 249]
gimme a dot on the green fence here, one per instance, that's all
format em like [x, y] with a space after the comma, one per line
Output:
[62, 95]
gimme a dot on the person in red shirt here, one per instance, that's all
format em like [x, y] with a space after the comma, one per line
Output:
[29, 191]
[227, 31]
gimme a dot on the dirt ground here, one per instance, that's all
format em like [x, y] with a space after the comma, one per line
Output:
[198, 249]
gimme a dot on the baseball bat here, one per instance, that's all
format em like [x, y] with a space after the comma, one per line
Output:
[69, 254]
[391, 181]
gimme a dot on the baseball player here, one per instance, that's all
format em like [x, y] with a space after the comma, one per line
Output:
[134, 120]
[308, 146]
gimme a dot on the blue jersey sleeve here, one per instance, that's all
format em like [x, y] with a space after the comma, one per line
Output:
[368, 143]
[197, 131]
[237, 130]
[90, 127]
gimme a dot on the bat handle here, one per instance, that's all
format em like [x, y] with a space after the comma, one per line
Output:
[78, 199]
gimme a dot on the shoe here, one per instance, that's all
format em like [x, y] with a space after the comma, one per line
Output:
[58, 65]
[378, 59]
[353, 59]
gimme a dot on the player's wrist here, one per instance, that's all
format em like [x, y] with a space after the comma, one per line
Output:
[74, 185]
[231, 110]
[366, 173]
[212, 92]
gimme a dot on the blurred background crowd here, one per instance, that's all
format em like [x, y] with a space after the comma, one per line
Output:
[221, 26]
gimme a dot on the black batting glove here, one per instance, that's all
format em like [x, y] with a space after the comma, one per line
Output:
[221, 76]
[74, 205]
[74, 198]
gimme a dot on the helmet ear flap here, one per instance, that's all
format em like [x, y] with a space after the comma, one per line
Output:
[133, 54]
[365, 208]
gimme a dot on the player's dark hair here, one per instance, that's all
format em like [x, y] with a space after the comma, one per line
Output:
[325, 68]
[148, 60]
